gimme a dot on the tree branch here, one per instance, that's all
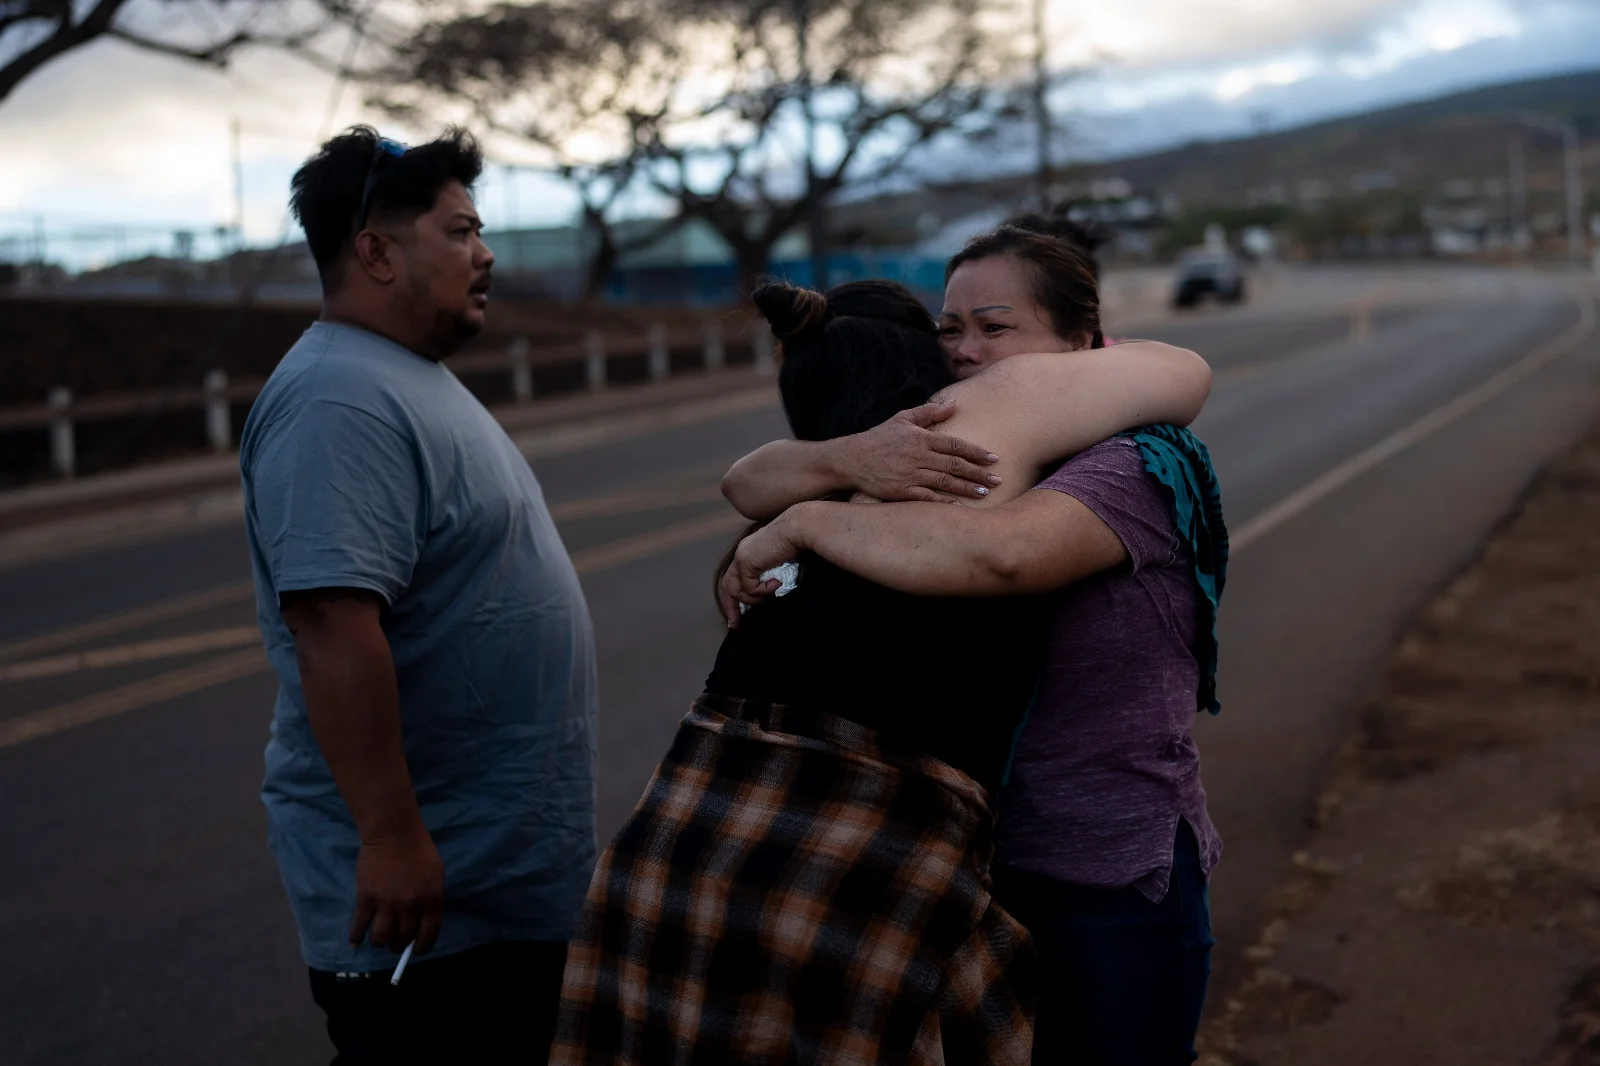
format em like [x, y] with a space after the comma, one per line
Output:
[67, 36]
[101, 21]
[693, 99]
[215, 54]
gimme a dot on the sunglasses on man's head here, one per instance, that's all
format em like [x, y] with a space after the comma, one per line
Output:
[382, 147]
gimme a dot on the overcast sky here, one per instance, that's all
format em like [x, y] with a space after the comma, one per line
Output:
[108, 134]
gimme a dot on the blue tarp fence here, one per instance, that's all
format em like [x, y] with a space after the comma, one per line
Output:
[716, 285]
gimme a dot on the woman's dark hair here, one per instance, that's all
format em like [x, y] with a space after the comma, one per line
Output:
[325, 192]
[1090, 238]
[1065, 281]
[853, 358]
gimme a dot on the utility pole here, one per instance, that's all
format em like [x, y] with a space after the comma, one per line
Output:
[817, 220]
[1574, 175]
[238, 187]
[1041, 104]
[513, 218]
[1575, 241]
[1519, 192]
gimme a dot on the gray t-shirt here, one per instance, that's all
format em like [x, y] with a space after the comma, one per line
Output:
[368, 466]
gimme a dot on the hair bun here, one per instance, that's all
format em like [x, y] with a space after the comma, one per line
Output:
[1088, 237]
[789, 309]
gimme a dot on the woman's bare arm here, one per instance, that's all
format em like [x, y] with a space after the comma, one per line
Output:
[1027, 410]
[1037, 410]
[1042, 541]
[903, 459]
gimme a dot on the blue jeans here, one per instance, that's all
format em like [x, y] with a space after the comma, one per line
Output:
[1122, 980]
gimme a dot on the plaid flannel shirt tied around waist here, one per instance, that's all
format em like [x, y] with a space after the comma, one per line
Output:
[787, 891]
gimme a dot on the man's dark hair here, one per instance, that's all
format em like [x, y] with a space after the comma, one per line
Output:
[326, 190]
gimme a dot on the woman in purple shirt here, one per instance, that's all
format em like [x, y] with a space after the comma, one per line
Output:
[1104, 843]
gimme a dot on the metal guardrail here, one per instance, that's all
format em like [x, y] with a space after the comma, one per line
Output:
[61, 412]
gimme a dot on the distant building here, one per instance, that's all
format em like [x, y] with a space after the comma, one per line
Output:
[1314, 190]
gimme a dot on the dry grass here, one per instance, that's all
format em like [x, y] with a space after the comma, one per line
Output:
[1508, 655]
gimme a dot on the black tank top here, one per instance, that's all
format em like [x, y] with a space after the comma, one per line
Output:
[945, 676]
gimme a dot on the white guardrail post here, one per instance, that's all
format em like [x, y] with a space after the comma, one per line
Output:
[715, 354]
[594, 362]
[521, 371]
[762, 343]
[219, 419]
[63, 453]
[660, 352]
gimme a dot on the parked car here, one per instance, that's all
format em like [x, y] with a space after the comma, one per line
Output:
[1207, 272]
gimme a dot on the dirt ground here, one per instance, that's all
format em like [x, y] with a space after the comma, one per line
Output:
[1447, 908]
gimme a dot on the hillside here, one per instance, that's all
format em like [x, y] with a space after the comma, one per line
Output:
[1420, 146]
[1401, 170]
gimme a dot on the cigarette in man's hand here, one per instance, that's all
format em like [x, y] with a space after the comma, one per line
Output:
[400, 968]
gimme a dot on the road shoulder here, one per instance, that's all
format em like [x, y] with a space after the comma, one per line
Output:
[48, 522]
[1447, 908]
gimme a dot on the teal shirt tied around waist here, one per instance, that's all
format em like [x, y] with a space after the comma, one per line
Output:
[1180, 461]
[367, 466]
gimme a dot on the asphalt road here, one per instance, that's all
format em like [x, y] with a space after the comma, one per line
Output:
[141, 919]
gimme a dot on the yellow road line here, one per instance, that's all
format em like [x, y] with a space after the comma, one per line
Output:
[125, 654]
[234, 592]
[644, 545]
[225, 668]
[561, 440]
[633, 502]
[244, 591]
[112, 702]
[216, 596]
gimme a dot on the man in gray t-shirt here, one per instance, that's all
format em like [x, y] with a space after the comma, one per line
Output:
[430, 776]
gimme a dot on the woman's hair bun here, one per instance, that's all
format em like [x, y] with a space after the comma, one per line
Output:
[791, 310]
[1059, 226]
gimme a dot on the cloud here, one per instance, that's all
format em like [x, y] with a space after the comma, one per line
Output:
[111, 133]
[1147, 35]
[1332, 61]
[149, 135]
[1541, 50]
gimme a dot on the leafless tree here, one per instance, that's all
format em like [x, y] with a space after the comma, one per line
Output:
[749, 115]
[569, 78]
[34, 33]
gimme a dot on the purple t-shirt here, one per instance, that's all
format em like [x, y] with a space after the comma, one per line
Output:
[1106, 765]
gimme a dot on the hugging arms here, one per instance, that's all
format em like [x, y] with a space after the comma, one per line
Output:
[1027, 413]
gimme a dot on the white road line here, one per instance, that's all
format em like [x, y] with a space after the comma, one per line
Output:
[1298, 502]
[127, 654]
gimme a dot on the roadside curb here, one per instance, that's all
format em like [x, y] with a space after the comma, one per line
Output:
[204, 493]
[579, 417]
